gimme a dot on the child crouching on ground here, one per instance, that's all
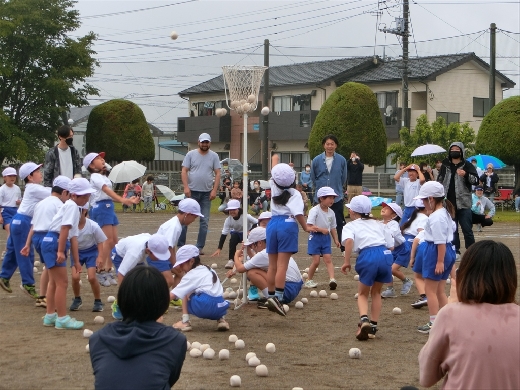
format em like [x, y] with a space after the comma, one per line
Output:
[200, 290]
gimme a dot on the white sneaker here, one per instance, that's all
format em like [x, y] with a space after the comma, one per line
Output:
[230, 264]
[310, 284]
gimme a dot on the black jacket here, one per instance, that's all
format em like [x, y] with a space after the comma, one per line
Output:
[51, 167]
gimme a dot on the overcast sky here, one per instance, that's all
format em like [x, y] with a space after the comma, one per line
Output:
[141, 63]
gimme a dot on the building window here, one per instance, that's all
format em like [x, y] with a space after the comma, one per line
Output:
[387, 101]
[305, 120]
[480, 106]
[449, 117]
[208, 108]
[292, 103]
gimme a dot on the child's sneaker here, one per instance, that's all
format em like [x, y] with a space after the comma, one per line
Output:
[76, 304]
[389, 293]
[252, 294]
[422, 301]
[102, 279]
[98, 306]
[407, 285]
[4, 283]
[230, 264]
[222, 325]
[112, 280]
[49, 319]
[273, 304]
[425, 329]
[310, 284]
[68, 323]
[30, 290]
[262, 304]
[176, 302]
[373, 331]
[183, 326]
[41, 302]
[116, 313]
[364, 328]
[333, 284]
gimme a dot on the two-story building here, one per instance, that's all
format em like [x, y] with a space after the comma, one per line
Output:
[454, 86]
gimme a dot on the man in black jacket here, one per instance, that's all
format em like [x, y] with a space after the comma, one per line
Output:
[63, 159]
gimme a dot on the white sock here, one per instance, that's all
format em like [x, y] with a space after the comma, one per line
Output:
[265, 292]
[185, 318]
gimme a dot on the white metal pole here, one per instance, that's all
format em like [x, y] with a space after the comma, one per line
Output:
[245, 186]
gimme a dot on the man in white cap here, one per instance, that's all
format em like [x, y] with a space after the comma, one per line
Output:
[63, 159]
[200, 177]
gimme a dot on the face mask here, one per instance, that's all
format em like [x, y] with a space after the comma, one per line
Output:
[69, 141]
[257, 186]
[307, 169]
[353, 159]
[455, 154]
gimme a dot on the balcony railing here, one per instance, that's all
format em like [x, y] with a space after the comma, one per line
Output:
[290, 125]
[189, 128]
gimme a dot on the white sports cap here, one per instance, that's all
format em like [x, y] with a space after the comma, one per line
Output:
[360, 204]
[326, 191]
[255, 235]
[395, 207]
[414, 168]
[283, 175]
[9, 171]
[233, 204]
[87, 160]
[185, 253]
[265, 215]
[80, 186]
[419, 204]
[158, 245]
[204, 137]
[28, 168]
[61, 181]
[431, 188]
[190, 206]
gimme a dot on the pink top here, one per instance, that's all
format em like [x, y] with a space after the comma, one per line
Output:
[473, 346]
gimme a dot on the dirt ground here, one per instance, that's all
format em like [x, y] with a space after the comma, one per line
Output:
[311, 344]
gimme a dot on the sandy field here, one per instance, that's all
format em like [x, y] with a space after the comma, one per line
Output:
[312, 344]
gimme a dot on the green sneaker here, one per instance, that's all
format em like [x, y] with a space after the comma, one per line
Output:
[4, 283]
[49, 319]
[176, 302]
[68, 323]
[29, 290]
[116, 313]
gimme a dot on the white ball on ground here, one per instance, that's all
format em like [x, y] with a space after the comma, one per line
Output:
[194, 352]
[239, 344]
[250, 355]
[313, 293]
[323, 294]
[265, 111]
[232, 295]
[225, 295]
[298, 305]
[37, 263]
[306, 270]
[87, 333]
[356, 296]
[304, 300]
[261, 370]
[270, 347]
[233, 281]
[448, 281]
[35, 269]
[396, 310]
[111, 299]
[99, 320]
[87, 348]
[251, 98]
[297, 388]
[203, 347]
[208, 354]
[305, 275]
[235, 381]
[223, 354]
[229, 289]
[214, 265]
[333, 296]
[356, 277]
[232, 338]
[286, 308]
[354, 353]
[253, 362]
[195, 345]
[174, 35]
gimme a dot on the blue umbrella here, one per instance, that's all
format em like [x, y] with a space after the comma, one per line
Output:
[484, 159]
[377, 200]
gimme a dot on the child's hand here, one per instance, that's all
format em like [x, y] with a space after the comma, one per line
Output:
[412, 261]
[439, 268]
[216, 253]
[77, 265]
[60, 257]
[345, 267]
[231, 272]
[338, 245]
[99, 262]
[25, 251]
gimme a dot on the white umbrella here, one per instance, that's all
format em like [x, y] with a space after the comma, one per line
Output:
[126, 172]
[427, 149]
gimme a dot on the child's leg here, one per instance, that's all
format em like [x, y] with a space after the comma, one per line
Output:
[315, 263]
[258, 277]
[8, 231]
[111, 233]
[419, 283]
[431, 287]
[234, 239]
[362, 301]
[59, 274]
[76, 288]
[281, 273]
[396, 271]
[51, 294]
[327, 259]
[441, 294]
[271, 272]
[44, 282]
[169, 278]
[375, 308]
[94, 284]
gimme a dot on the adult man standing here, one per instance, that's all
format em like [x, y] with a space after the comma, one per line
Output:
[355, 176]
[458, 175]
[330, 169]
[201, 178]
[63, 159]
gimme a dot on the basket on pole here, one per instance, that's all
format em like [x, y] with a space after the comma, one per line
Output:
[242, 86]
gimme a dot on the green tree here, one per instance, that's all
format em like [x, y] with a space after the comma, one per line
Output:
[42, 70]
[351, 114]
[437, 133]
[119, 128]
[499, 133]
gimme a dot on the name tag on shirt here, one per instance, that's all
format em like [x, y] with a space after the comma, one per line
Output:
[48, 239]
[16, 222]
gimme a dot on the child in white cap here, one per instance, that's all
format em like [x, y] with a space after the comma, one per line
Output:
[264, 218]
[63, 233]
[234, 225]
[44, 212]
[200, 290]
[31, 174]
[439, 255]
[365, 235]
[10, 198]
[102, 204]
[282, 231]
[392, 213]
[321, 224]
[411, 186]
[90, 251]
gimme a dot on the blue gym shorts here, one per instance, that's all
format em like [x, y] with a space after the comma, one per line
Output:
[282, 235]
[116, 259]
[407, 213]
[205, 306]
[50, 250]
[319, 244]
[87, 257]
[430, 261]
[161, 265]
[37, 240]
[7, 214]
[374, 264]
[103, 213]
[419, 257]
[401, 254]
[291, 291]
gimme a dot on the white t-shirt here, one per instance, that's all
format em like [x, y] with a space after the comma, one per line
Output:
[97, 181]
[90, 235]
[44, 212]
[172, 230]
[328, 162]
[237, 225]
[132, 250]
[294, 205]
[261, 260]
[322, 219]
[33, 194]
[66, 168]
[438, 228]
[410, 190]
[365, 233]
[9, 195]
[418, 223]
[198, 280]
[68, 215]
[393, 233]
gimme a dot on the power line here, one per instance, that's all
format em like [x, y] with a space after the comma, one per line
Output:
[135, 10]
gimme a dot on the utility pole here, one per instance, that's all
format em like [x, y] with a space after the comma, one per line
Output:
[492, 59]
[265, 120]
